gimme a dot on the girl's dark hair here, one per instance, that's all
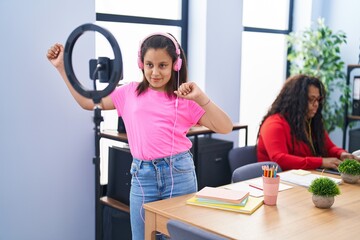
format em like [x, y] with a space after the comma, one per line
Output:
[292, 104]
[163, 42]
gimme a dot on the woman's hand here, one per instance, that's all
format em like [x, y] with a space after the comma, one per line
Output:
[330, 163]
[346, 155]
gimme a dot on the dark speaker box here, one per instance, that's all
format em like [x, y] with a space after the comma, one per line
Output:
[212, 163]
[356, 107]
[356, 96]
[119, 177]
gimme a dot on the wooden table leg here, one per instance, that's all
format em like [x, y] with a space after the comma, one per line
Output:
[150, 225]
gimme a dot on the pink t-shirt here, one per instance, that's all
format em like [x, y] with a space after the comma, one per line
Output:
[150, 118]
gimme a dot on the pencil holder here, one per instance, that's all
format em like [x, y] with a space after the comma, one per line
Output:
[271, 189]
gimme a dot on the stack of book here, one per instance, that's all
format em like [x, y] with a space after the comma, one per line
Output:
[226, 199]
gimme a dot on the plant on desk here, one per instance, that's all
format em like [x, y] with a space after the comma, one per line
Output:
[349, 170]
[324, 190]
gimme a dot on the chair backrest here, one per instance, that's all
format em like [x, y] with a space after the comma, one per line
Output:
[241, 156]
[182, 231]
[252, 170]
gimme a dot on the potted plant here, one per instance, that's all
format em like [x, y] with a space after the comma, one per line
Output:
[316, 52]
[324, 191]
[349, 170]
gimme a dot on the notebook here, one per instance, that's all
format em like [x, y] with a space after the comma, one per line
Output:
[303, 180]
[242, 186]
[211, 201]
[222, 194]
[250, 207]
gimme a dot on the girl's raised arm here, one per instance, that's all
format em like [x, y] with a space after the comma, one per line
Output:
[55, 55]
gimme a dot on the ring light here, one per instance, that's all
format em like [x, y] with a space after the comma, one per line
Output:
[116, 72]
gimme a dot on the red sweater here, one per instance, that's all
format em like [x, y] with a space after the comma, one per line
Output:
[274, 144]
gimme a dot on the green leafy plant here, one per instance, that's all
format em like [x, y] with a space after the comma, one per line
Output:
[316, 52]
[324, 186]
[349, 166]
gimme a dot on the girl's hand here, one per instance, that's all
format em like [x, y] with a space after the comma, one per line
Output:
[191, 91]
[214, 117]
[55, 55]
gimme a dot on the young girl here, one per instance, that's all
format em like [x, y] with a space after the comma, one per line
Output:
[157, 112]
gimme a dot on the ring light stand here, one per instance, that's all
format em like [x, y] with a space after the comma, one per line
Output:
[99, 69]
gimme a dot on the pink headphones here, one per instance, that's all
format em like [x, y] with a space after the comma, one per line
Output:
[178, 61]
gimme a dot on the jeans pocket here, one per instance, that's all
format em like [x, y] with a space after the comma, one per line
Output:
[134, 167]
[183, 163]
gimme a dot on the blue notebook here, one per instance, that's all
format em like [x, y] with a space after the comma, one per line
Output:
[211, 201]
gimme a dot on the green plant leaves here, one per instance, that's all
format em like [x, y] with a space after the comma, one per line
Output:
[324, 186]
[316, 52]
[349, 166]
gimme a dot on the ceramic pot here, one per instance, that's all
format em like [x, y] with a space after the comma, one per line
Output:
[348, 178]
[323, 202]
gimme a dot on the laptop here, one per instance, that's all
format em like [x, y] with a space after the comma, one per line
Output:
[328, 170]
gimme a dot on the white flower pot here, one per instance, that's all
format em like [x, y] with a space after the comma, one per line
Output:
[348, 178]
[322, 202]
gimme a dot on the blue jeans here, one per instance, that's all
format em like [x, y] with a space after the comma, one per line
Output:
[152, 181]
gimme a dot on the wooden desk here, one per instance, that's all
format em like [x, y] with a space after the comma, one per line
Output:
[194, 131]
[294, 217]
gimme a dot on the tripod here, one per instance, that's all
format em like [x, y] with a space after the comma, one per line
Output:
[96, 161]
[108, 71]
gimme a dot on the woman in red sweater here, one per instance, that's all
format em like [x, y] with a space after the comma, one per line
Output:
[292, 133]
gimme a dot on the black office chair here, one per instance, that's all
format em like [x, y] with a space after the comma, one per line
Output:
[241, 156]
[182, 231]
[249, 171]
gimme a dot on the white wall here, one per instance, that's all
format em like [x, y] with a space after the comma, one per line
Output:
[47, 143]
[196, 56]
[302, 15]
[214, 56]
[344, 15]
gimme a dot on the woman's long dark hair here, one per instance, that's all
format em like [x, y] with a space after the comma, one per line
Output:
[292, 104]
[163, 42]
